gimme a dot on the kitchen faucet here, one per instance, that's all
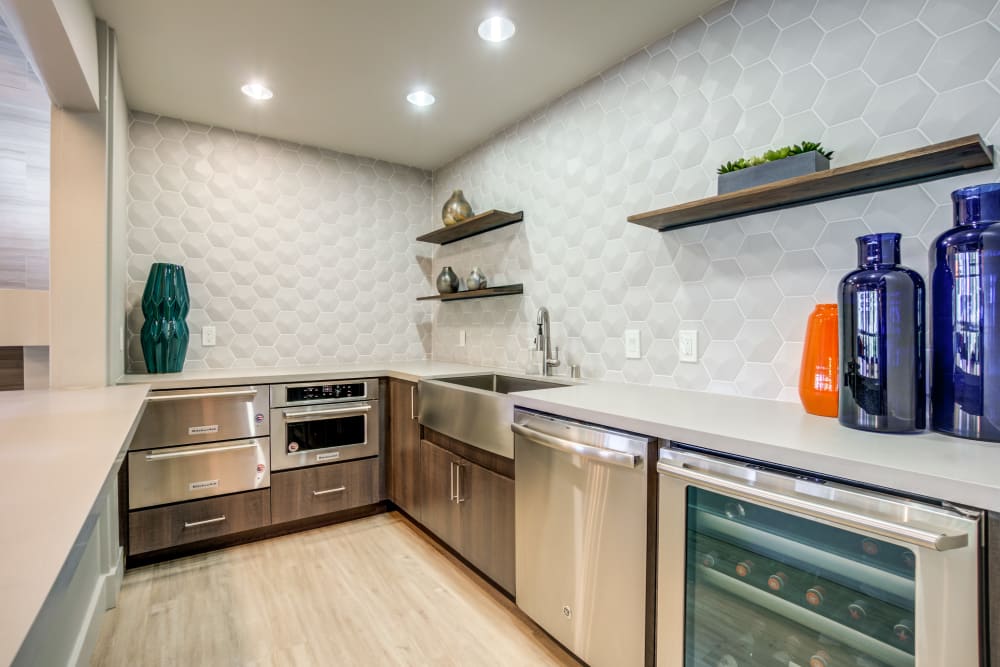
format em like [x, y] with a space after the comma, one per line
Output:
[543, 342]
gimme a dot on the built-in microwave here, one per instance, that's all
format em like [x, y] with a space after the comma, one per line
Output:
[324, 422]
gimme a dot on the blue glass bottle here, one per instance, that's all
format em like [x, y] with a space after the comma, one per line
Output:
[883, 381]
[965, 386]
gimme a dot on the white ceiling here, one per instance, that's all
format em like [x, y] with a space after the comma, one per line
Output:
[341, 69]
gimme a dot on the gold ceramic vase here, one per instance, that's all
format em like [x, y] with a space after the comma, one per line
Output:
[456, 209]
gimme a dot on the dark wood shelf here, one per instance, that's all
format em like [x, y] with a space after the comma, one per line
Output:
[502, 290]
[477, 224]
[948, 158]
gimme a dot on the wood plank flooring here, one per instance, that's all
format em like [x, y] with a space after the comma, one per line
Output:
[375, 591]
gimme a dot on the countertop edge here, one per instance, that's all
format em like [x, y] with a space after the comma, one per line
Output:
[9, 650]
[931, 486]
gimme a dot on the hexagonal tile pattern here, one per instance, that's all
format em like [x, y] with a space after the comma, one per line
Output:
[312, 252]
[200, 198]
[898, 53]
[843, 49]
[962, 57]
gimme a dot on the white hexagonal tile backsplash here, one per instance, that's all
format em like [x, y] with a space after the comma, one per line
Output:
[299, 255]
[296, 255]
[867, 78]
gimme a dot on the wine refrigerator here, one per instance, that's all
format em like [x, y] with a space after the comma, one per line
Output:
[760, 566]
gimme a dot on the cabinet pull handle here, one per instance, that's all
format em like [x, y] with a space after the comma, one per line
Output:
[326, 491]
[413, 401]
[203, 394]
[459, 497]
[195, 524]
[451, 495]
[200, 452]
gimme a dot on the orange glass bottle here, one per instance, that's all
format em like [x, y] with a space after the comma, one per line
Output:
[819, 384]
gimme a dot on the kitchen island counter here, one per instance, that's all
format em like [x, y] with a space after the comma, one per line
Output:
[60, 451]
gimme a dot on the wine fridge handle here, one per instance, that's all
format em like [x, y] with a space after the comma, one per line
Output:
[816, 509]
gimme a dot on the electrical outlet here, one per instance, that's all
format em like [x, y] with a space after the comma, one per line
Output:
[687, 346]
[461, 337]
[633, 344]
[207, 336]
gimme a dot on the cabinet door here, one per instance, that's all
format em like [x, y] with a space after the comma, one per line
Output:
[404, 447]
[305, 492]
[439, 512]
[486, 501]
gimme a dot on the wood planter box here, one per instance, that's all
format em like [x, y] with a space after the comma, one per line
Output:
[769, 172]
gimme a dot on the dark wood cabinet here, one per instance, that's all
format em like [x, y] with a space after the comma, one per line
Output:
[306, 492]
[471, 509]
[487, 522]
[403, 467]
[438, 510]
[184, 523]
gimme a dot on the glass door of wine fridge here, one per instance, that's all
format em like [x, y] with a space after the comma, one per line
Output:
[763, 567]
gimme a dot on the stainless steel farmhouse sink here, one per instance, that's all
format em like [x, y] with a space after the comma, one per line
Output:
[500, 384]
[476, 409]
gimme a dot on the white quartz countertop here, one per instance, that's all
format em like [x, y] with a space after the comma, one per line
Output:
[930, 464]
[411, 371]
[57, 450]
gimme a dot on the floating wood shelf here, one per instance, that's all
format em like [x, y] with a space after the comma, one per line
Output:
[502, 290]
[948, 158]
[478, 224]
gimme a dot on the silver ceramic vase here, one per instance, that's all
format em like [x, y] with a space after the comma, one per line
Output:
[447, 281]
[476, 279]
[456, 209]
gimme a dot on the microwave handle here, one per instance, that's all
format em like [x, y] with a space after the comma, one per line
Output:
[816, 509]
[327, 412]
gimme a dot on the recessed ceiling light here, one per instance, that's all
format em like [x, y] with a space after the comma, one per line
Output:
[496, 29]
[257, 91]
[420, 98]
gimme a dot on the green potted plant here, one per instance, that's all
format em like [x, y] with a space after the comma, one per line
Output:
[778, 164]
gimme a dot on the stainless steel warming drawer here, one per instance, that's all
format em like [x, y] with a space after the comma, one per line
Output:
[175, 474]
[190, 416]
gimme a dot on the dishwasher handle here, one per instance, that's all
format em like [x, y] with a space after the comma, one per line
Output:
[596, 454]
[816, 509]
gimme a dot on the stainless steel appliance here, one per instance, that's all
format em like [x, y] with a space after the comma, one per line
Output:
[174, 474]
[194, 443]
[188, 416]
[759, 565]
[321, 422]
[582, 527]
[476, 409]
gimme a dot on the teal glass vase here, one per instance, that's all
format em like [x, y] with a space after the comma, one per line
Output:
[165, 304]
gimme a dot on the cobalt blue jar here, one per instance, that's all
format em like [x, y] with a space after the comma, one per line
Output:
[881, 304]
[965, 385]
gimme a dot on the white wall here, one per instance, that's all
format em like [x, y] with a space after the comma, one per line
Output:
[296, 255]
[866, 79]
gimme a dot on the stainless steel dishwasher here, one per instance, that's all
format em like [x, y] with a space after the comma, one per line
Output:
[582, 527]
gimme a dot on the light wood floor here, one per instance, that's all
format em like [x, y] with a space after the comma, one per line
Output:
[374, 591]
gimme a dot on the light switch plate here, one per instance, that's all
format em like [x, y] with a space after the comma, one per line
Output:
[687, 346]
[208, 336]
[633, 344]
[461, 337]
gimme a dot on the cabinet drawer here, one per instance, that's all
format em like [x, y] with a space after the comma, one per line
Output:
[163, 527]
[176, 474]
[297, 494]
[188, 416]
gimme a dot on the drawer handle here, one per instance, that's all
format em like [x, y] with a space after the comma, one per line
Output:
[199, 452]
[207, 394]
[328, 411]
[326, 491]
[194, 524]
